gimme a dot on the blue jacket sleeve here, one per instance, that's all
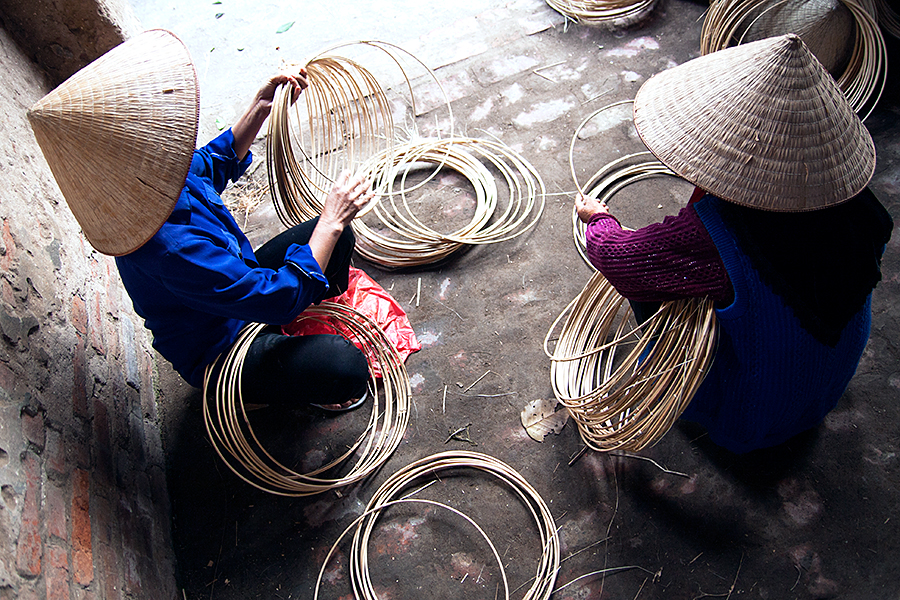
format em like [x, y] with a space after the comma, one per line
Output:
[209, 277]
[218, 163]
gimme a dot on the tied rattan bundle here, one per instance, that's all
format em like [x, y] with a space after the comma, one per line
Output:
[597, 13]
[631, 402]
[732, 22]
[430, 468]
[349, 119]
[409, 241]
[231, 434]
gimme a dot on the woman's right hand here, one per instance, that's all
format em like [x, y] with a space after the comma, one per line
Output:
[588, 206]
[347, 197]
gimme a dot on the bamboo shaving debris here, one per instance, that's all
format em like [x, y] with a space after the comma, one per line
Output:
[233, 438]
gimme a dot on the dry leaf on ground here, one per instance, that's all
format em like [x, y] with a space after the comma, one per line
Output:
[540, 417]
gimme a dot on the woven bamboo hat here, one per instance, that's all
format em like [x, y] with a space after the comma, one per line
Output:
[119, 136]
[760, 124]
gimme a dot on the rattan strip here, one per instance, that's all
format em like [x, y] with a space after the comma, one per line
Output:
[630, 403]
[389, 494]
[601, 12]
[233, 438]
[493, 221]
[863, 80]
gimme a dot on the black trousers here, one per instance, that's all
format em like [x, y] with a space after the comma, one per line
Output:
[293, 370]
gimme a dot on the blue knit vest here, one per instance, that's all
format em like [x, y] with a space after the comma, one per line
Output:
[770, 379]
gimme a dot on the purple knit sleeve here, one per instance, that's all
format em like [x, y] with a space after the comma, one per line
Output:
[664, 261]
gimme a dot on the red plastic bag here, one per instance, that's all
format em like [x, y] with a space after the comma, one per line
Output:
[369, 298]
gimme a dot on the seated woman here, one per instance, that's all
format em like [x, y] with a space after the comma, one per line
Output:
[187, 266]
[781, 232]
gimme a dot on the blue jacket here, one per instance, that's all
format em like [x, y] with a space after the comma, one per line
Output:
[196, 282]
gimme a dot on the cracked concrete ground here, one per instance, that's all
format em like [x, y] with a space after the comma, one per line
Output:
[815, 518]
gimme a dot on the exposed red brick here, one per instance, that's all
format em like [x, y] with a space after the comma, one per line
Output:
[82, 553]
[55, 513]
[78, 315]
[79, 377]
[54, 452]
[57, 574]
[28, 549]
[33, 428]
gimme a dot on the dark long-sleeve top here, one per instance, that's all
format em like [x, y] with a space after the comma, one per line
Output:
[196, 282]
[665, 261]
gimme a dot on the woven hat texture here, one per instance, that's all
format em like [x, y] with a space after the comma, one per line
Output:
[119, 136]
[760, 124]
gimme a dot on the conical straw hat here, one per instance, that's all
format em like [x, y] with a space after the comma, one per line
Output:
[119, 136]
[759, 124]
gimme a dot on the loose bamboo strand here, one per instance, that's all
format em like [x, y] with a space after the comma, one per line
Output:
[596, 13]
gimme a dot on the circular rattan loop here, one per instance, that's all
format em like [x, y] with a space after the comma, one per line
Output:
[630, 403]
[493, 221]
[862, 81]
[349, 120]
[234, 440]
[389, 494]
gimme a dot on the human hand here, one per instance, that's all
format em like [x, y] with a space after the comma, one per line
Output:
[266, 93]
[587, 207]
[347, 197]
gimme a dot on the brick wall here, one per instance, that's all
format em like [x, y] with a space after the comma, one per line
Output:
[84, 510]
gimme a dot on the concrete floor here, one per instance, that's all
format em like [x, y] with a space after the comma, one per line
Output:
[816, 518]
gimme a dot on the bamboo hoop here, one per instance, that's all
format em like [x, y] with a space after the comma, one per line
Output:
[349, 119]
[413, 242]
[236, 443]
[631, 403]
[863, 80]
[626, 404]
[388, 494]
[596, 13]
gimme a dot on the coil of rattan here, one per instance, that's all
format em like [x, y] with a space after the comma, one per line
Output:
[430, 468]
[501, 212]
[233, 438]
[862, 81]
[596, 13]
[349, 125]
[626, 403]
[348, 120]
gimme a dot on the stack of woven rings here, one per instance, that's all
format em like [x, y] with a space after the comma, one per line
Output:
[236, 443]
